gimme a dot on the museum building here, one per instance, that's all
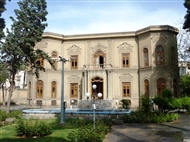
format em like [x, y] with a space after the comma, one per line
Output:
[123, 65]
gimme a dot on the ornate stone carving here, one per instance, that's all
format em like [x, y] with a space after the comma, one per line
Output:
[74, 79]
[89, 52]
[99, 46]
[41, 44]
[74, 50]
[126, 77]
[125, 47]
[109, 57]
[159, 38]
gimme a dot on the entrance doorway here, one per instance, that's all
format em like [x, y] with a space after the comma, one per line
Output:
[99, 89]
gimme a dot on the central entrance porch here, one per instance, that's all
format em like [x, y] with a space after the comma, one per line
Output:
[98, 81]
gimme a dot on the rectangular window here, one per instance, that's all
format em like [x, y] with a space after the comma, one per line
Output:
[126, 60]
[74, 62]
[74, 90]
[126, 89]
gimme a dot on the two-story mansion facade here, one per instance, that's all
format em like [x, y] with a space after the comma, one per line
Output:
[123, 65]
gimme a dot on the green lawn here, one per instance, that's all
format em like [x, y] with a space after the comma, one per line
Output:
[7, 134]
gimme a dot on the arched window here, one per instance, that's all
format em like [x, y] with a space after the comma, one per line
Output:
[54, 56]
[161, 85]
[146, 59]
[99, 59]
[53, 89]
[40, 61]
[146, 88]
[39, 89]
[160, 55]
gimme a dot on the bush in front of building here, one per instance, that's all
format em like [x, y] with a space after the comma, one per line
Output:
[33, 127]
[13, 114]
[125, 104]
[88, 133]
[152, 117]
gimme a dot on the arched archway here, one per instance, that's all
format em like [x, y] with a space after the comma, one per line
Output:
[98, 81]
[99, 58]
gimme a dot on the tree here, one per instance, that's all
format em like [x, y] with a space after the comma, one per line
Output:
[19, 47]
[185, 85]
[183, 45]
[2, 21]
[3, 76]
[186, 24]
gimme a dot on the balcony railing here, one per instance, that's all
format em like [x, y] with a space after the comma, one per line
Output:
[97, 67]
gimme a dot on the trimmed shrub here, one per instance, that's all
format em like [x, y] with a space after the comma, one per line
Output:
[33, 127]
[3, 115]
[145, 105]
[88, 133]
[152, 117]
[125, 104]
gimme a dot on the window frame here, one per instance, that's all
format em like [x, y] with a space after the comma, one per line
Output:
[146, 87]
[39, 89]
[160, 55]
[53, 89]
[74, 90]
[125, 60]
[54, 56]
[126, 89]
[161, 85]
[74, 62]
[146, 57]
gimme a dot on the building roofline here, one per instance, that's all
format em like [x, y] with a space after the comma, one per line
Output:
[111, 34]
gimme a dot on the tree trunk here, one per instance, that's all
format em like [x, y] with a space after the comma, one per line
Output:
[9, 98]
[3, 94]
[24, 79]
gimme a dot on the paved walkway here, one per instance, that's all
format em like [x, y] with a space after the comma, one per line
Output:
[177, 131]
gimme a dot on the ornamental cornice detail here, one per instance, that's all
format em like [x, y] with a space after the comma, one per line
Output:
[74, 50]
[159, 38]
[126, 77]
[74, 79]
[125, 47]
[41, 44]
[99, 46]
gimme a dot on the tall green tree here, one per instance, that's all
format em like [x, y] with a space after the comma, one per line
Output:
[185, 85]
[2, 21]
[186, 24]
[3, 76]
[19, 47]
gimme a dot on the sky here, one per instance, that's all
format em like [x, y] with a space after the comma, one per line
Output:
[71, 17]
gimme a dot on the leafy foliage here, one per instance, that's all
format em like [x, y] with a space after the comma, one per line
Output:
[3, 73]
[88, 133]
[151, 117]
[33, 127]
[12, 114]
[185, 85]
[125, 104]
[2, 21]
[19, 47]
[186, 24]
[145, 105]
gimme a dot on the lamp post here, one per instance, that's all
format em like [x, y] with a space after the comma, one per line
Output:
[94, 105]
[116, 101]
[63, 60]
[72, 102]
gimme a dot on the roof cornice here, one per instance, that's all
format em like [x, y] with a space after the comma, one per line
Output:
[110, 35]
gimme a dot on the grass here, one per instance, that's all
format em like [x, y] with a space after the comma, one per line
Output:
[8, 134]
